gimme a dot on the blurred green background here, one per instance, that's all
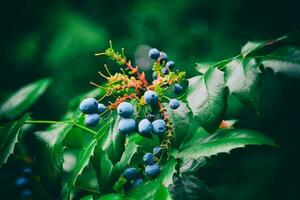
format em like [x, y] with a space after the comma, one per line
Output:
[58, 39]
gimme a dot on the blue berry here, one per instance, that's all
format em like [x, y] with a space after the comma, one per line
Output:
[27, 171]
[152, 170]
[22, 181]
[145, 127]
[170, 64]
[157, 151]
[178, 88]
[174, 104]
[126, 125]
[92, 119]
[26, 194]
[165, 70]
[159, 126]
[131, 174]
[154, 76]
[149, 158]
[137, 182]
[125, 109]
[88, 106]
[101, 108]
[151, 97]
[154, 54]
[163, 57]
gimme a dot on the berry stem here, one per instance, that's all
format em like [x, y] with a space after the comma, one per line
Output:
[167, 140]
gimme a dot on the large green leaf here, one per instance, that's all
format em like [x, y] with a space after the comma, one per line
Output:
[207, 97]
[191, 188]
[113, 144]
[166, 174]
[203, 144]
[285, 60]
[243, 80]
[180, 120]
[20, 101]
[50, 151]
[9, 137]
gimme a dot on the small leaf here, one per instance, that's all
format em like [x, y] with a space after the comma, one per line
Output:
[205, 144]
[50, 155]
[243, 80]
[9, 137]
[25, 97]
[191, 188]
[111, 197]
[285, 60]
[180, 120]
[207, 97]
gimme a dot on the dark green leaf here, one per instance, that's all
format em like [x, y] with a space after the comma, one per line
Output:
[205, 144]
[20, 101]
[285, 60]
[9, 137]
[180, 120]
[243, 80]
[207, 97]
[191, 188]
[190, 166]
[50, 155]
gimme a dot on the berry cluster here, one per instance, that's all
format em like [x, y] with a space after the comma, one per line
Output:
[139, 104]
[152, 169]
[93, 110]
[23, 183]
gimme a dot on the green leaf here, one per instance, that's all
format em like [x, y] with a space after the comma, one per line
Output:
[114, 141]
[191, 188]
[190, 166]
[222, 141]
[207, 97]
[152, 190]
[111, 197]
[25, 97]
[285, 60]
[166, 174]
[180, 120]
[89, 197]
[9, 137]
[243, 80]
[103, 168]
[204, 67]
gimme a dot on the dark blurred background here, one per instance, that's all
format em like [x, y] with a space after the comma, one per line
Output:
[57, 39]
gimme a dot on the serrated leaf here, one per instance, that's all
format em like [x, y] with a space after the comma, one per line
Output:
[190, 166]
[166, 174]
[113, 144]
[203, 144]
[180, 120]
[25, 97]
[285, 60]
[207, 98]
[243, 80]
[9, 137]
[191, 188]
[50, 155]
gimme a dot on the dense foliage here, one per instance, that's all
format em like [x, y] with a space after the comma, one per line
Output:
[196, 129]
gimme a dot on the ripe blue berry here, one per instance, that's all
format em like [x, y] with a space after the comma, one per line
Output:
[125, 109]
[21, 182]
[154, 76]
[149, 158]
[159, 126]
[27, 171]
[145, 127]
[170, 64]
[178, 88]
[174, 104]
[163, 57]
[157, 151]
[154, 54]
[26, 194]
[131, 174]
[126, 125]
[152, 170]
[151, 97]
[165, 70]
[137, 182]
[92, 119]
[88, 106]
[101, 108]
